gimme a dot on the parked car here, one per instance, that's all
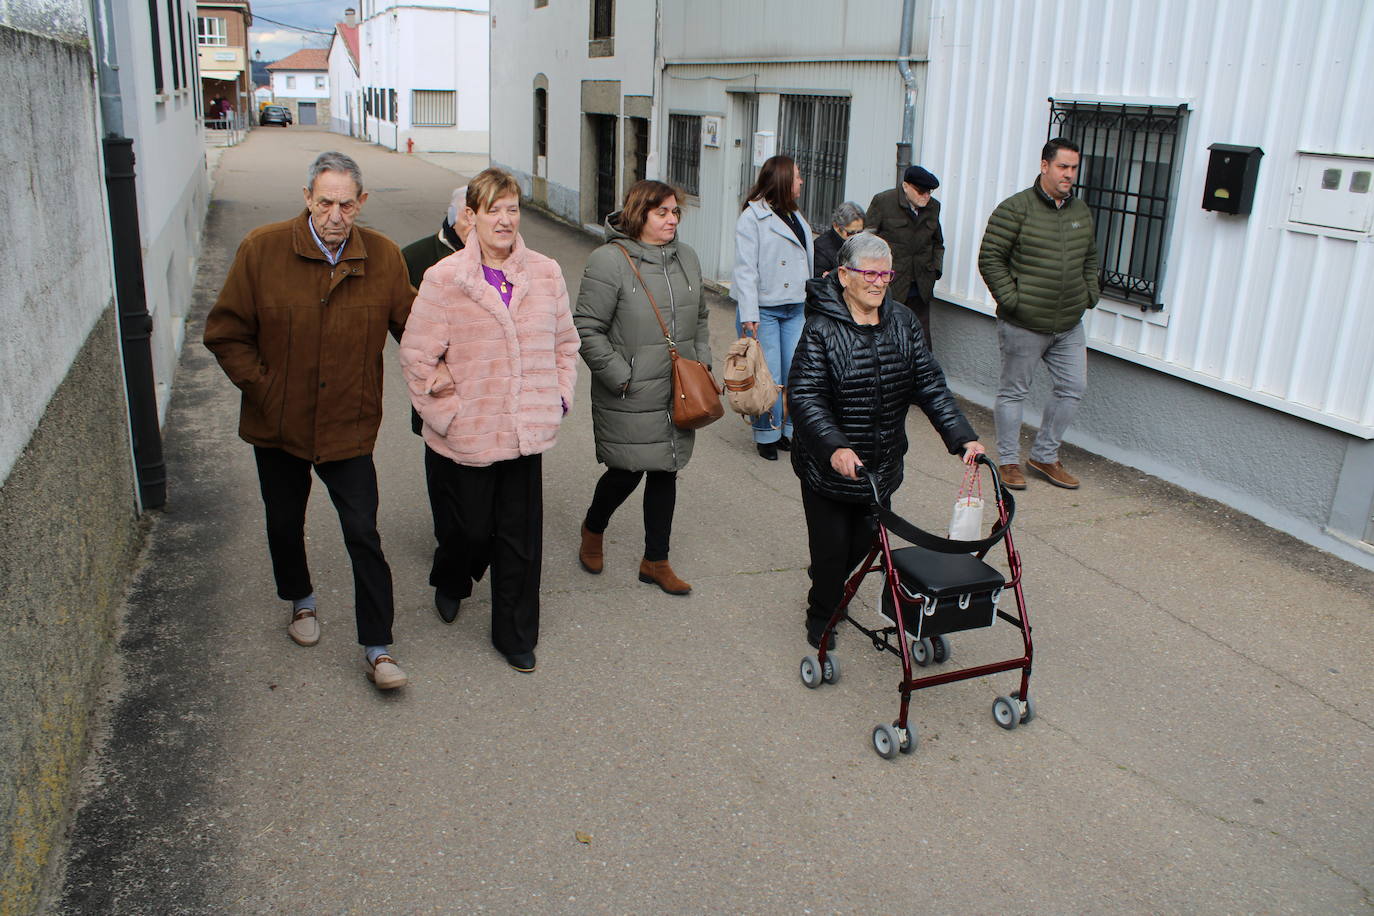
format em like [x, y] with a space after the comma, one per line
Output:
[275, 114]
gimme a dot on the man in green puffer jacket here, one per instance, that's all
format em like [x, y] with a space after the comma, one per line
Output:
[1039, 260]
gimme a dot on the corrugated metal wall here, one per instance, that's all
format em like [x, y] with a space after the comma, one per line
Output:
[1254, 306]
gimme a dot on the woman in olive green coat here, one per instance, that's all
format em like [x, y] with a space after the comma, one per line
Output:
[632, 386]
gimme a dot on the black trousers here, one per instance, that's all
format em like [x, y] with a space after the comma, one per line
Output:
[660, 498]
[922, 309]
[839, 535]
[491, 515]
[352, 484]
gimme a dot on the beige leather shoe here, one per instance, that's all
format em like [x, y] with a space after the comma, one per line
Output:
[304, 628]
[385, 673]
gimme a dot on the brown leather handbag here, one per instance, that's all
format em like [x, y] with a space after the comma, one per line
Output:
[696, 396]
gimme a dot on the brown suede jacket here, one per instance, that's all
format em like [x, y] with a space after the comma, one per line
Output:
[303, 340]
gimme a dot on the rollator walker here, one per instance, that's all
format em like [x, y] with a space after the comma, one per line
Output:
[933, 588]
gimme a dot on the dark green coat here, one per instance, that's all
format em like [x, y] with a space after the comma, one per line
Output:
[1040, 261]
[623, 347]
[917, 242]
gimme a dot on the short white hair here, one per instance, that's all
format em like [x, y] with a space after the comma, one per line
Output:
[456, 204]
[863, 247]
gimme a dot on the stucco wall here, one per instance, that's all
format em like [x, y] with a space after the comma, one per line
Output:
[67, 515]
[1278, 468]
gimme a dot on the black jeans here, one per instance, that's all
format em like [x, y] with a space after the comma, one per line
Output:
[352, 484]
[491, 515]
[839, 535]
[660, 498]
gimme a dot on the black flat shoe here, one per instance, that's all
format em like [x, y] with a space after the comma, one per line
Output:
[785, 444]
[521, 661]
[446, 606]
[815, 642]
[768, 451]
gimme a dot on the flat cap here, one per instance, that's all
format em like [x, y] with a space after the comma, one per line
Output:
[918, 177]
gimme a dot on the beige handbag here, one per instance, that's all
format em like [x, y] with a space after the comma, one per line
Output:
[749, 385]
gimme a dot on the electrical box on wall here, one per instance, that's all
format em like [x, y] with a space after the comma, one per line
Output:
[765, 147]
[1334, 192]
[1232, 172]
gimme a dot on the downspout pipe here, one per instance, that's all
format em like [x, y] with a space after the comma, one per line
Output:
[909, 79]
[131, 299]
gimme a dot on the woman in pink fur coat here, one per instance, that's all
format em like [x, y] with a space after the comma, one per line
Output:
[490, 356]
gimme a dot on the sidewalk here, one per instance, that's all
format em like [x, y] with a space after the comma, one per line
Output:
[1204, 738]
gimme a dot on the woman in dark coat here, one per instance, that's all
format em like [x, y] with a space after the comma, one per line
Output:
[861, 363]
[846, 221]
[632, 385]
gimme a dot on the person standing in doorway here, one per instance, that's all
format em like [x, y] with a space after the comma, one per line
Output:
[773, 261]
[299, 327]
[1039, 261]
[907, 217]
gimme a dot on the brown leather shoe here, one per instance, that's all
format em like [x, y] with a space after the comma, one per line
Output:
[658, 572]
[589, 554]
[1011, 475]
[1055, 473]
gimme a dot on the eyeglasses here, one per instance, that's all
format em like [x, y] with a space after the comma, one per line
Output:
[872, 276]
[663, 212]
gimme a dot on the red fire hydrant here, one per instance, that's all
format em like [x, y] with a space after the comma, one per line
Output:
[410, 144]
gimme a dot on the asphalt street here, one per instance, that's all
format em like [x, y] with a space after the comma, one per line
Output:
[1203, 744]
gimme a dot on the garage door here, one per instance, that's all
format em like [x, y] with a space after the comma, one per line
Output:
[307, 112]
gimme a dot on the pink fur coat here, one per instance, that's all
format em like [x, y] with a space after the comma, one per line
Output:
[513, 369]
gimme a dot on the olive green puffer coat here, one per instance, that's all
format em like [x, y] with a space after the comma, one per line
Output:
[623, 347]
[1040, 261]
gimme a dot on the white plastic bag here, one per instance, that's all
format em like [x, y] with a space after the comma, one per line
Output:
[966, 524]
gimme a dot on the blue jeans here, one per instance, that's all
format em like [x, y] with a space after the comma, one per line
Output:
[780, 328]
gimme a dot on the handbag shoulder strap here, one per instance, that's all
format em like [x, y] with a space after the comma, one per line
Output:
[672, 345]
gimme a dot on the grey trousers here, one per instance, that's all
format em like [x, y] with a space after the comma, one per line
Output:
[1066, 357]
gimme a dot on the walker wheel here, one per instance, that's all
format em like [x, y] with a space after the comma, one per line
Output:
[908, 745]
[830, 669]
[886, 742]
[810, 671]
[941, 648]
[1029, 714]
[1006, 712]
[922, 652]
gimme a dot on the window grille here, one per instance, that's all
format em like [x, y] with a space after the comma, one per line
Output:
[210, 30]
[541, 122]
[603, 19]
[815, 133]
[155, 38]
[391, 101]
[684, 152]
[1130, 156]
[433, 107]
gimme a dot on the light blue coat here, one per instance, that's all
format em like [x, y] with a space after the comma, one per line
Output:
[771, 266]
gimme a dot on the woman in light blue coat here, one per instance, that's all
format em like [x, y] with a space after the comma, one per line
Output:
[773, 261]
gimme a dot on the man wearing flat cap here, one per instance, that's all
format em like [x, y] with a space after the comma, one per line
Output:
[908, 219]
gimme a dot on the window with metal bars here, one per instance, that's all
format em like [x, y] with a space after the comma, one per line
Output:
[815, 133]
[433, 107]
[603, 19]
[684, 152]
[1130, 155]
[541, 122]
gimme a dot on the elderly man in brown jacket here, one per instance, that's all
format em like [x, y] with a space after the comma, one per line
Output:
[299, 327]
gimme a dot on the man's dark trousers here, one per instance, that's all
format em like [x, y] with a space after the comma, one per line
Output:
[352, 485]
[922, 310]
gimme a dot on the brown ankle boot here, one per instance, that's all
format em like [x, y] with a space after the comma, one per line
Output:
[658, 572]
[589, 554]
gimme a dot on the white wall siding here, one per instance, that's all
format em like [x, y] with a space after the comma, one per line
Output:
[1254, 306]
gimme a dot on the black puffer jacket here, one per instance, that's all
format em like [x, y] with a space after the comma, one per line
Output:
[850, 387]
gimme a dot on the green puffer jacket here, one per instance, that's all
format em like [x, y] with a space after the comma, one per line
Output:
[1040, 261]
[623, 346]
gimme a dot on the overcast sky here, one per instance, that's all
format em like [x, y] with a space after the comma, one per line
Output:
[276, 42]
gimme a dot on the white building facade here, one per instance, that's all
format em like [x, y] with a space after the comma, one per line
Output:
[735, 83]
[1231, 352]
[300, 82]
[423, 75]
[345, 87]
